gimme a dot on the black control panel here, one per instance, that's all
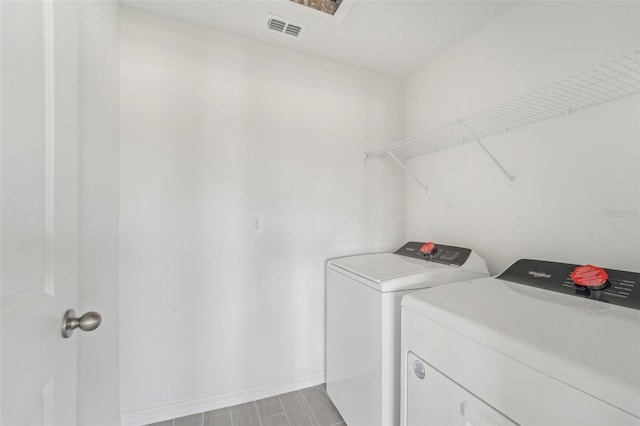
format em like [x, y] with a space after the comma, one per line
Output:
[620, 287]
[438, 253]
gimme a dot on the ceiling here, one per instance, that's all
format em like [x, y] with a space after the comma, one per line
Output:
[393, 37]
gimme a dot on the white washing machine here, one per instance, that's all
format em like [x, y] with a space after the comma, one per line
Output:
[544, 343]
[363, 322]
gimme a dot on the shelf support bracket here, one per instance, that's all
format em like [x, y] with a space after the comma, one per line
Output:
[486, 151]
[408, 172]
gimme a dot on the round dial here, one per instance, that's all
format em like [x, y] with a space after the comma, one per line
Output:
[590, 276]
[428, 248]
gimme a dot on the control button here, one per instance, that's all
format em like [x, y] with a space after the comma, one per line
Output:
[590, 276]
[428, 249]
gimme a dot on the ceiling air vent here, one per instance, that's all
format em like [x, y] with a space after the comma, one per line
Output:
[277, 25]
[293, 30]
[284, 26]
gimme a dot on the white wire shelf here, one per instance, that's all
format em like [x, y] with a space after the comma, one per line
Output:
[600, 84]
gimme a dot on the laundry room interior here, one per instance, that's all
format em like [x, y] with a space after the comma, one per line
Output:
[226, 151]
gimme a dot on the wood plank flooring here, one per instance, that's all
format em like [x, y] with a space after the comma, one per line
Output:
[306, 407]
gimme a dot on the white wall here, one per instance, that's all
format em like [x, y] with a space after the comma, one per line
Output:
[568, 171]
[98, 401]
[214, 130]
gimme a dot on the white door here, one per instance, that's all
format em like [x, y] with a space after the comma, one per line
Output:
[38, 164]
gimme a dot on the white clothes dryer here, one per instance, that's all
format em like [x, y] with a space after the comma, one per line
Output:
[544, 343]
[363, 322]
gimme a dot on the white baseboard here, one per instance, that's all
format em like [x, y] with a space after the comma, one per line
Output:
[213, 402]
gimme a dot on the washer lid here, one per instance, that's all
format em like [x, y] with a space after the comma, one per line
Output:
[384, 266]
[388, 272]
[591, 345]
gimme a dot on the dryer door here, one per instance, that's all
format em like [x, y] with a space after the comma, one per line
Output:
[432, 399]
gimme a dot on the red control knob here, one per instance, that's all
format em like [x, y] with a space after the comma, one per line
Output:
[590, 276]
[427, 248]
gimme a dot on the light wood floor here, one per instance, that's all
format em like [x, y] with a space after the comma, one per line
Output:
[306, 407]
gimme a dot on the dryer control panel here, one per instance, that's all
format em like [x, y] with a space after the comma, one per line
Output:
[432, 252]
[606, 285]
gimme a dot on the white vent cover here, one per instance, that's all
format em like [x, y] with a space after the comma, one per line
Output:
[284, 25]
